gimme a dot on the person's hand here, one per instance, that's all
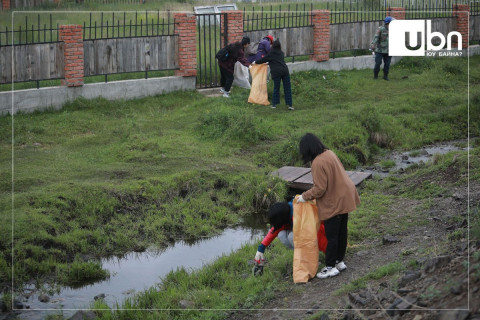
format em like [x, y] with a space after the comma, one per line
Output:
[253, 63]
[260, 258]
[300, 199]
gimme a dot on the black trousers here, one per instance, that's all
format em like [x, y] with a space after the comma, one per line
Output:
[226, 79]
[378, 61]
[336, 232]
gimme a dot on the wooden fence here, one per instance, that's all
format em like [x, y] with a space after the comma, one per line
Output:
[32, 62]
[358, 35]
[295, 41]
[474, 28]
[45, 61]
[121, 55]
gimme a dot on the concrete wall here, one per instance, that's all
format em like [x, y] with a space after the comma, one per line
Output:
[348, 63]
[359, 63]
[55, 97]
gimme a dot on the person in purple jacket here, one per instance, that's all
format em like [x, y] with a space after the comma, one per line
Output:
[264, 47]
[227, 67]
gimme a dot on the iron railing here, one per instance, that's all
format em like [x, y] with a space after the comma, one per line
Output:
[127, 25]
[475, 8]
[212, 34]
[287, 17]
[42, 28]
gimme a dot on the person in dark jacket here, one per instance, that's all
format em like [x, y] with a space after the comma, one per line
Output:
[264, 47]
[279, 71]
[227, 67]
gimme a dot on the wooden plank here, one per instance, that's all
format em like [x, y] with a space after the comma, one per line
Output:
[301, 178]
[291, 173]
[359, 177]
[59, 60]
[6, 64]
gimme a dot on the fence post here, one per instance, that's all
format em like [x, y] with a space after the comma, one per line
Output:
[71, 35]
[187, 46]
[234, 26]
[462, 13]
[321, 35]
[397, 13]
[5, 4]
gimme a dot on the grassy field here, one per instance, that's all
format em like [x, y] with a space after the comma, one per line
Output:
[101, 178]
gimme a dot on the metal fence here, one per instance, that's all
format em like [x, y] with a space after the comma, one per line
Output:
[39, 31]
[212, 34]
[42, 28]
[290, 16]
[115, 25]
[475, 8]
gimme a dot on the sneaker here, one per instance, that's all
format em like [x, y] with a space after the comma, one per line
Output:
[290, 108]
[326, 272]
[226, 94]
[340, 266]
[274, 106]
[222, 90]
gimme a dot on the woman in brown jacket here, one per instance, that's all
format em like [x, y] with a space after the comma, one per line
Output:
[335, 195]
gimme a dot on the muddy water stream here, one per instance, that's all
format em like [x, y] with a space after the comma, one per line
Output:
[136, 272]
[405, 159]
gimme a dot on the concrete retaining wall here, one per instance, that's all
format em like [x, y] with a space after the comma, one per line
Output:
[359, 63]
[55, 97]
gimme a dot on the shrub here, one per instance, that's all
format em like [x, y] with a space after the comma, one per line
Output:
[234, 125]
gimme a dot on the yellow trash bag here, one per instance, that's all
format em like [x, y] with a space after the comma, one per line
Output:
[258, 93]
[306, 224]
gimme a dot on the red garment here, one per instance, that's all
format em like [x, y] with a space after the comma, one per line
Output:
[321, 237]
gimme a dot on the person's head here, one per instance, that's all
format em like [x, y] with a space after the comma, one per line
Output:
[279, 215]
[270, 38]
[245, 41]
[310, 147]
[277, 45]
[387, 20]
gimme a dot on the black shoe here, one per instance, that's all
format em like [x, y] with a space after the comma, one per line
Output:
[375, 77]
[386, 78]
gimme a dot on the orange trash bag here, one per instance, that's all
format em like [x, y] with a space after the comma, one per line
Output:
[258, 92]
[306, 226]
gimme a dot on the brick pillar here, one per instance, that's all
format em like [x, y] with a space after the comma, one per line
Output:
[5, 4]
[321, 35]
[187, 46]
[234, 26]
[71, 35]
[397, 13]
[462, 13]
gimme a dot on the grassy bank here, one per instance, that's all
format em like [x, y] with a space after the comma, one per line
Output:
[102, 178]
[226, 283]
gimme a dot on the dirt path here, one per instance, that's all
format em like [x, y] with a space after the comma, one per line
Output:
[423, 239]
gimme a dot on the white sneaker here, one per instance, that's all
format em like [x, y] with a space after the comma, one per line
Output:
[325, 273]
[222, 90]
[226, 94]
[290, 108]
[340, 266]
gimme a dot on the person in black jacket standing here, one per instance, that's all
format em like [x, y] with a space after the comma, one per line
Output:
[279, 71]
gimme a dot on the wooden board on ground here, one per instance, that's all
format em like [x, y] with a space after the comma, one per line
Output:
[301, 178]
